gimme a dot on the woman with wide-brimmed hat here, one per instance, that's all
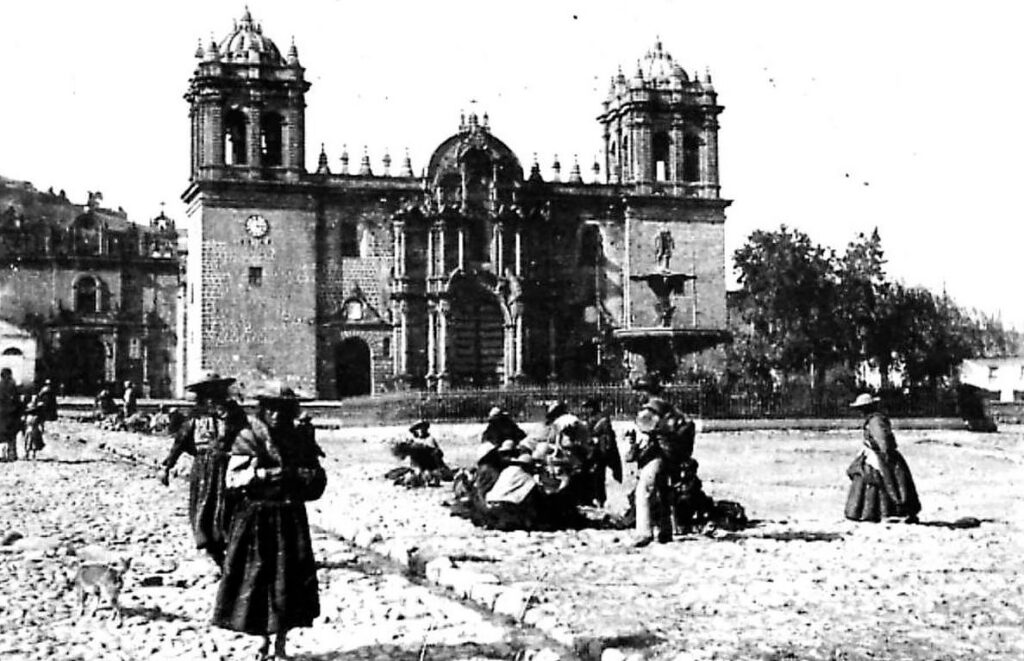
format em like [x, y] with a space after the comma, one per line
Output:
[881, 486]
[207, 434]
[268, 584]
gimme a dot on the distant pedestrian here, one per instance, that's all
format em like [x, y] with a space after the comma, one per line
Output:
[130, 401]
[48, 397]
[10, 415]
[34, 422]
[105, 404]
[881, 486]
[269, 584]
[207, 434]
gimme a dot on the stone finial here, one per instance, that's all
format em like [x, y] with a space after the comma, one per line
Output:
[556, 170]
[387, 163]
[364, 163]
[293, 54]
[575, 176]
[322, 167]
[596, 169]
[462, 121]
[344, 159]
[212, 51]
[486, 123]
[200, 51]
[407, 165]
[535, 169]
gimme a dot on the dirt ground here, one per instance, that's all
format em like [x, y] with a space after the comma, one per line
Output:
[803, 583]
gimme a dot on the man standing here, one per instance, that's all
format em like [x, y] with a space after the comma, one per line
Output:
[208, 434]
[10, 415]
[665, 441]
[606, 450]
[130, 403]
[48, 398]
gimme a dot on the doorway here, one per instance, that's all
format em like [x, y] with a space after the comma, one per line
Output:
[353, 368]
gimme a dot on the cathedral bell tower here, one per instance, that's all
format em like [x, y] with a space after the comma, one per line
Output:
[661, 129]
[247, 108]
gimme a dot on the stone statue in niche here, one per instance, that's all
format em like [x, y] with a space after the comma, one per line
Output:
[663, 247]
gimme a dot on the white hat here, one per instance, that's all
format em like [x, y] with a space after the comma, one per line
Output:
[864, 399]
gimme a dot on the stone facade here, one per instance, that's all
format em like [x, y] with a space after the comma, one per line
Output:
[475, 273]
[98, 293]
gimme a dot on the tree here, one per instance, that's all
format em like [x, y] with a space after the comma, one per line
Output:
[789, 297]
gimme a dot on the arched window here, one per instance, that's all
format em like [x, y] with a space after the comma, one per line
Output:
[270, 146]
[659, 151]
[13, 351]
[234, 138]
[691, 158]
[87, 295]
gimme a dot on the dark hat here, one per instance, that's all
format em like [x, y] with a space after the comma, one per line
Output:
[864, 399]
[277, 391]
[657, 405]
[420, 424]
[209, 379]
[648, 384]
[555, 409]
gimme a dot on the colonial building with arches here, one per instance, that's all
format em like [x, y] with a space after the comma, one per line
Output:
[88, 298]
[477, 271]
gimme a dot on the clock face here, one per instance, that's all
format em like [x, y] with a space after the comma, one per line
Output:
[257, 226]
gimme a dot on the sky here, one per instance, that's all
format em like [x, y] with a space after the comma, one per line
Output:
[839, 116]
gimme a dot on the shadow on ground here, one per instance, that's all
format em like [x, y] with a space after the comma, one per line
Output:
[419, 653]
[153, 614]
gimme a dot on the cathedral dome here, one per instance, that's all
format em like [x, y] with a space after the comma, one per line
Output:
[660, 69]
[474, 144]
[246, 43]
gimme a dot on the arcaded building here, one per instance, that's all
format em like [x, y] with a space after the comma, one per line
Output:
[479, 271]
[88, 298]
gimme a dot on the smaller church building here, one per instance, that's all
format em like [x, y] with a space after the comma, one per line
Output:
[479, 271]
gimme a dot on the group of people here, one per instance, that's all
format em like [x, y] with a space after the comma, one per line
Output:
[538, 482]
[249, 481]
[23, 416]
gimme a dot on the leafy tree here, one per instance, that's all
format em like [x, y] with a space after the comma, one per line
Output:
[789, 296]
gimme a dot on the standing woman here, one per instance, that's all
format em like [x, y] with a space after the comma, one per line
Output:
[207, 435]
[268, 584]
[881, 484]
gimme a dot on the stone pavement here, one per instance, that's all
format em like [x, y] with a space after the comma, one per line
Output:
[803, 583]
[93, 494]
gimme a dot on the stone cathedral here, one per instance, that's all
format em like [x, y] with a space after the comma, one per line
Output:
[476, 271]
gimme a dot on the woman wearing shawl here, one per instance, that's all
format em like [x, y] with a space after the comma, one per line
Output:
[881, 484]
[269, 584]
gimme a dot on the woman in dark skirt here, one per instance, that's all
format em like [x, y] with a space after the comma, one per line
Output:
[207, 435]
[268, 584]
[881, 484]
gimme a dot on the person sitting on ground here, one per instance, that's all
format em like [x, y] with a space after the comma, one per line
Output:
[105, 404]
[515, 501]
[424, 457]
[501, 427]
[881, 486]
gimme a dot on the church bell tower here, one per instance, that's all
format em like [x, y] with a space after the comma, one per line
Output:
[247, 108]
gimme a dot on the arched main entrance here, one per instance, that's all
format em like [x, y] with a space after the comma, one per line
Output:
[477, 329]
[81, 364]
[353, 368]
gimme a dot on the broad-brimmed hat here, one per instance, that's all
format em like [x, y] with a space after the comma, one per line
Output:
[657, 405]
[864, 399]
[209, 379]
[495, 413]
[419, 424]
[277, 391]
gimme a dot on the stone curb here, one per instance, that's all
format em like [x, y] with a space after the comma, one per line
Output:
[486, 591]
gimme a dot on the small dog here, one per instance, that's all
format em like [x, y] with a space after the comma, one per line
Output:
[104, 581]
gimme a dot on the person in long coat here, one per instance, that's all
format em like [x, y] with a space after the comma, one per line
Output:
[11, 407]
[606, 450]
[268, 585]
[208, 434]
[881, 486]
